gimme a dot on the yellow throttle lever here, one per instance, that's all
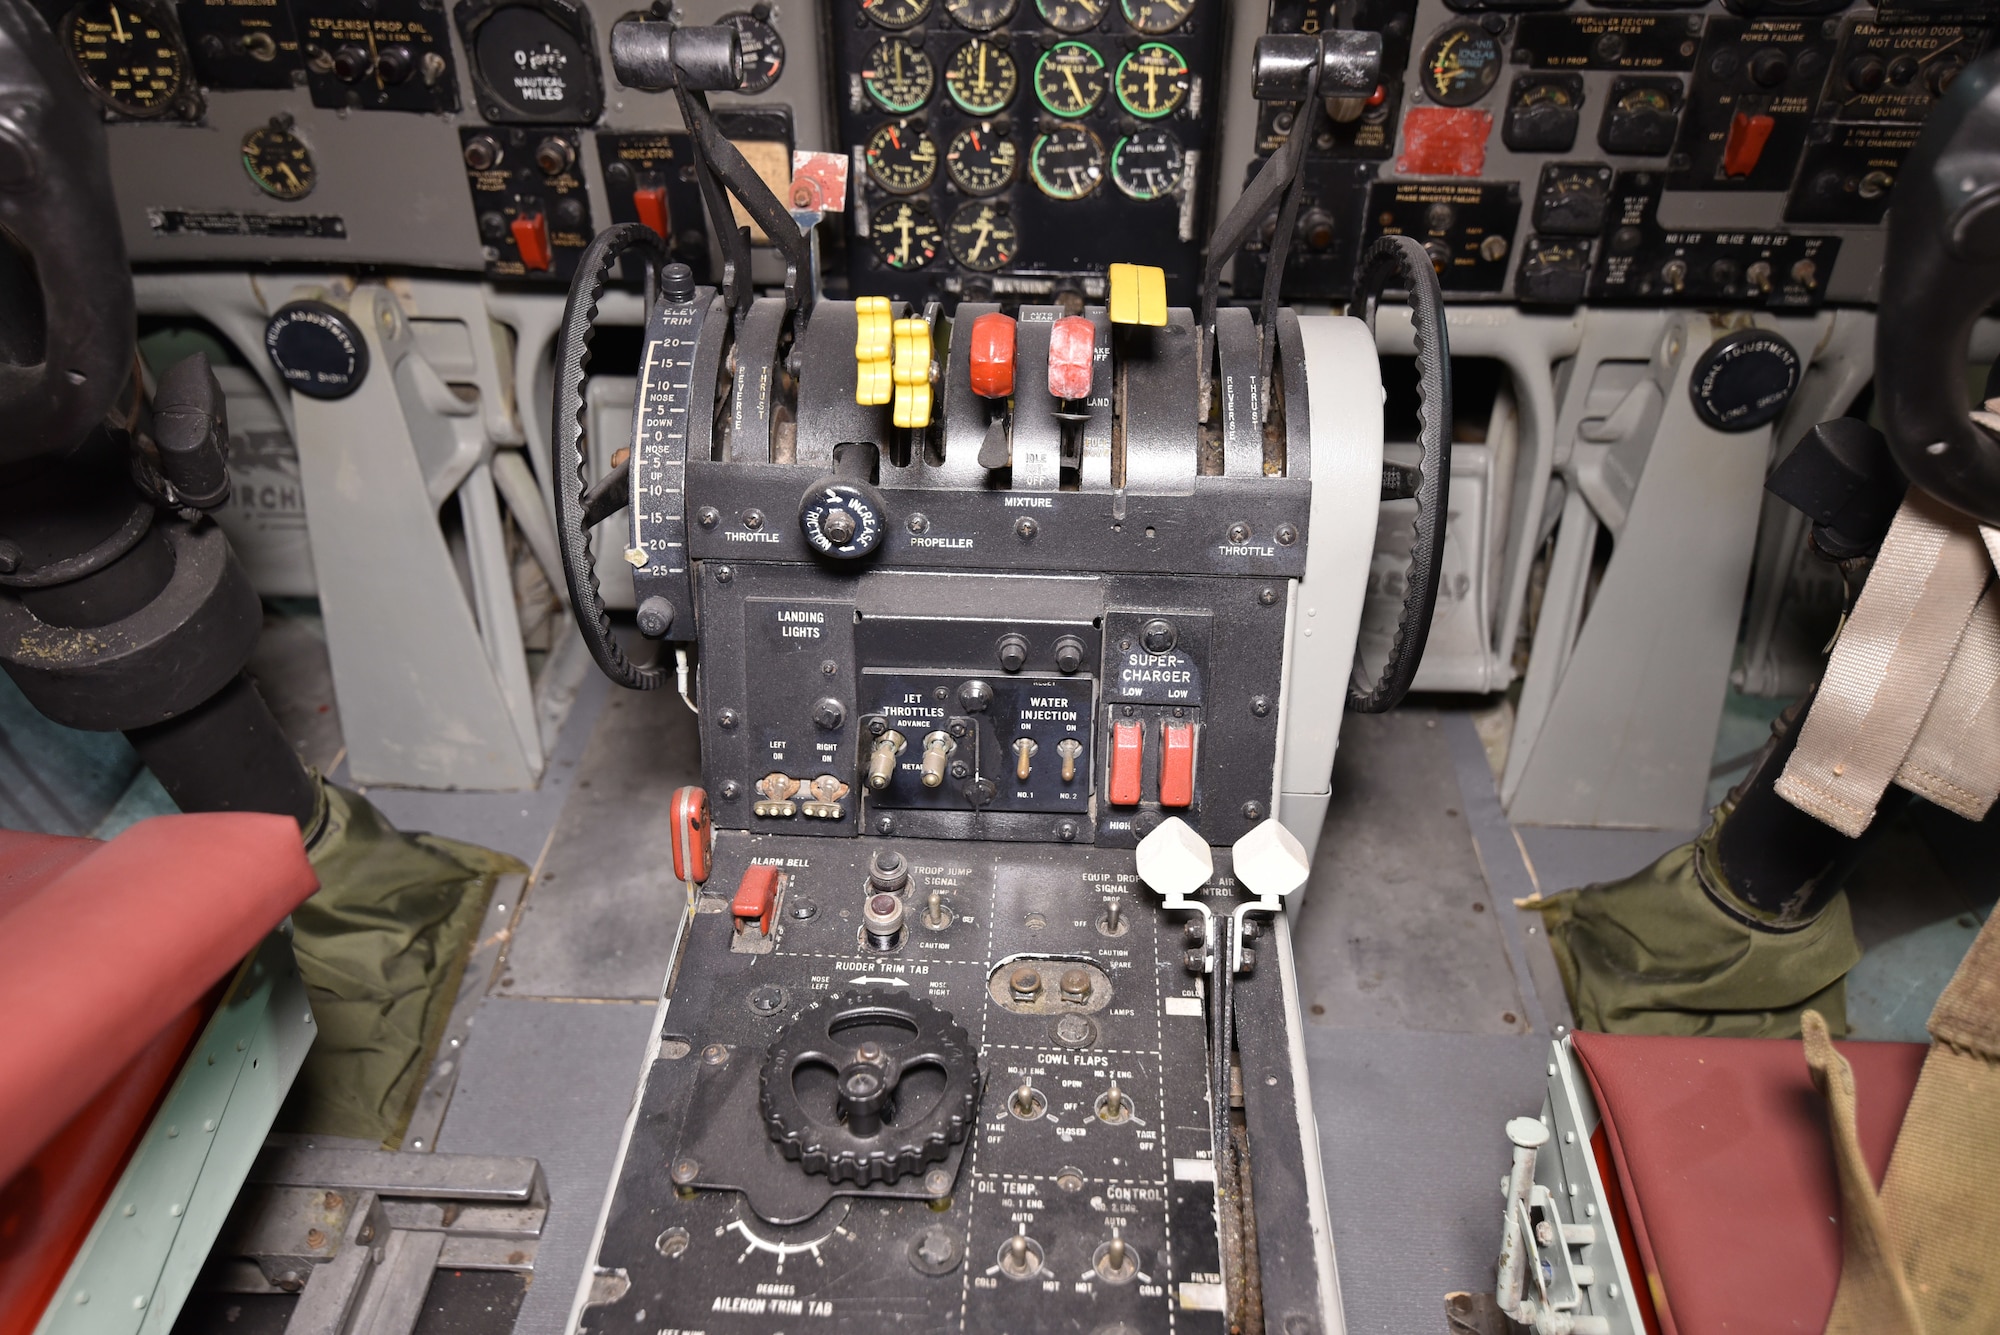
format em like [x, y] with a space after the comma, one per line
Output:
[873, 382]
[913, 373]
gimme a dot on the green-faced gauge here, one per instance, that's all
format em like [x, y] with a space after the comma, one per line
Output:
[1461, 65]
[906, 236]
[1152, 81]
[981, 76]
[1067, 162]
[1070, 78]
[1148, 165]
[278, 161]
[897, 14]
[130, 55]
[979, 15]
[982, 236]
[898, 76]
[1154, 17]
[901, 157]
[1072, 15]
[981, 160]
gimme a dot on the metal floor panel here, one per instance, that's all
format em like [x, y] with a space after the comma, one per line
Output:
[1411, 1142]
[552, 1079]
[600, 916]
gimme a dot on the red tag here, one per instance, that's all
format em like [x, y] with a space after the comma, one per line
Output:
[1441, 141]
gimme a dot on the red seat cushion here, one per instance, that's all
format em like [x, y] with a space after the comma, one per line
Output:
[103, 946]
[1726, 1169]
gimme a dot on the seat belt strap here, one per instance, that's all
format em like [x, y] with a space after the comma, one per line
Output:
[1890, 668]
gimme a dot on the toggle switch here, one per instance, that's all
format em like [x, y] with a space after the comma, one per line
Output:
[937, 749]
[1024, 755]
[1177, 765]
[1072, 357]
[650, 203]
[1128, 762]
[1138, 294]
[756, 899]
[882, 753]
[1748, 133]
[531, 238]
[992, 372]
[1069, 748]
[874, 379]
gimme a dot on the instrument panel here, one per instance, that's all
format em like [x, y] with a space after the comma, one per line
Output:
[1013, 149]
[1546, 154]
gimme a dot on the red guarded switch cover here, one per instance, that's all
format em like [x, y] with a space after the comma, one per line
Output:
[993, 355]
[1748, 133]
[756, 898]
[650, 203]
[1128, 761]
[531, 238]
[1072, 358]
[1177, 765]
[691, 835]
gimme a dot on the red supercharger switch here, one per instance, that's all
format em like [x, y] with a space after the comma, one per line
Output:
[993, 355]
[1177, 765]
[650, 203]
[1072, 358]
[531, 238]
[1128, 761]
[691, 835]
[756, 899]
[1748, 133]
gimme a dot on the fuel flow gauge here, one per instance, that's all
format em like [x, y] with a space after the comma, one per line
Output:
[1067, 162]
[1148, 165]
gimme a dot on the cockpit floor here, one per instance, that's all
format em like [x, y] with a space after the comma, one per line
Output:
[1429, 998]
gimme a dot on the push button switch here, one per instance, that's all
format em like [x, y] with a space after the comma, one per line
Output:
[531, 238]
[1177, 765]
[1128, 762]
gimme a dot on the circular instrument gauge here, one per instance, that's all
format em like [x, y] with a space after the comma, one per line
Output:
[981, 77]
[1067, 162]
[1148, 164]
[898, 76]
[1070, 79]
[981, 160]
[898, 14]
[1544, 93]
[763, 51]
[278, 161]
[1653, 100]
[982, 236]
[906, 235]
[1072, 15]
[535, 69]
[979, 15]
[1152, 81]
[901, 157]
[1153, 17]
[130, 54]
[1461, 65]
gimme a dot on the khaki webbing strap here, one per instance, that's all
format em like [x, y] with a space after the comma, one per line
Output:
[1955, 761]
[1886, 671]
[1929, 1246]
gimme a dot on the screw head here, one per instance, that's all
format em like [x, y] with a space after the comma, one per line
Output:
[1066, 830]
[728, 718]
[731, 788]
[708, 516]
[918, 523]
[715, 1055]
[1158, 636]
[1260, 705]
[723, 574]
[754, 520]
[1286, 535]
[1267, 595]
[1239, 532]
[685, 1171]
[1253, 811]
[804, 909]
[885, 825]
[1026, 528]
